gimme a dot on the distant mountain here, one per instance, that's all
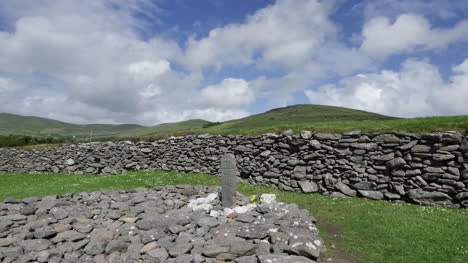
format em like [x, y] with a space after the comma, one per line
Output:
[291, 116]
[36, 126]
[297, 115]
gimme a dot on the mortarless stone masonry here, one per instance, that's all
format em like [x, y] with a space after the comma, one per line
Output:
[428, 169]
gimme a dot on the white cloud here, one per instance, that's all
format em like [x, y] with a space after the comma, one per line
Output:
[228, 93]
[408, 32]
[417, 90]
[8, 85]
[286, 33]
[392, 8]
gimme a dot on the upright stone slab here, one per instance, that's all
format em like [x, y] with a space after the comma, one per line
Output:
[228, 172]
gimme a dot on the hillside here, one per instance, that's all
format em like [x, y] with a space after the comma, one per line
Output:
[167, 128]
[296, 115]
[318, 118]
[36, 126]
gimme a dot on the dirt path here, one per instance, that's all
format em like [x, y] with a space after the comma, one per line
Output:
[335, 253]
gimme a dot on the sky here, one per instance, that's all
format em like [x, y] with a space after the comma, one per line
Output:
[155, 61]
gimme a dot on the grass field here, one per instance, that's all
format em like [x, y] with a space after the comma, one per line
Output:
[368, 231]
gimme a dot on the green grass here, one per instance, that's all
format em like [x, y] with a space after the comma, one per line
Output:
[377, 231]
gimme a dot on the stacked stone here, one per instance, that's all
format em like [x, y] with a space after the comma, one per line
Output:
[428, 169]
[154, 225]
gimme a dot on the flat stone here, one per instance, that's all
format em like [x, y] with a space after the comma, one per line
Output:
[148, 247]
[374, 195]
[420, 196]
[35, 244]
[345, 189]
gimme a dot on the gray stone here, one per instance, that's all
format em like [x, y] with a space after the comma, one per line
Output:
[159, 254]
[308, 186]
[299, 172]
[116, 245]
[420, 196]
[409, 145]
[228, 172]
[397, 162]
[374, 195]
[284, 259]
[35, 244]
[421, 148]
[208, 222]
[442, 157]
[345, 189]
[387, 138]
[365, 146]
[306, 135]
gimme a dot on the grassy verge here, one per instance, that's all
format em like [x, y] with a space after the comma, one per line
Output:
[378, 231]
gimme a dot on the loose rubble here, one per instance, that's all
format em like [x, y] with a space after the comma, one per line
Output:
[163, 224]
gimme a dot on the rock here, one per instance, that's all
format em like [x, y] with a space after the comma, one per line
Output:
[247, 259]
[148, 247]
[326, 136]
[362, 186]
[180, 249]
[159, 254]
[409, 145]
[397, 162]
[365, 146]
[306, 135]
[287, 132]
[345, 189]
[374, 195]
[70, 162]
[386, 138]
[228, 172]
[308, 186]
[421, 148]
[208, 222]
[442, 157]
[35, 244]
[116, 245]
[284, 259]
[242, 148]
[420, 196]
[213, 250]
[95, 247]
[299, 172]
[252, 232]
[268, 198]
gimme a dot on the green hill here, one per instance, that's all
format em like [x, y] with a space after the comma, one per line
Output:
[318, 118]
[182, 127]
[295, 116]
[11, 124]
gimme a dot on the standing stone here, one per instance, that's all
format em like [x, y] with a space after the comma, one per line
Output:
[228, 170]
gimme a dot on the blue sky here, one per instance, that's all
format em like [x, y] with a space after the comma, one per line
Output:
[154, 61]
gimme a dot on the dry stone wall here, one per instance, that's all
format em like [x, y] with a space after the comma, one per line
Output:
[429, 169]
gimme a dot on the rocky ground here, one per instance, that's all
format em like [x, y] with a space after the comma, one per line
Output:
[162, 224]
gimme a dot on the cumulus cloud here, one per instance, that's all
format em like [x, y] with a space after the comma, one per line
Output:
[393, 8]
[228, 94]
[286, 33]
[8, 85]
[408, 32]
[417, 90]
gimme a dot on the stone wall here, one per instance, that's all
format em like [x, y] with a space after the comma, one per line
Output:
[429, 169]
